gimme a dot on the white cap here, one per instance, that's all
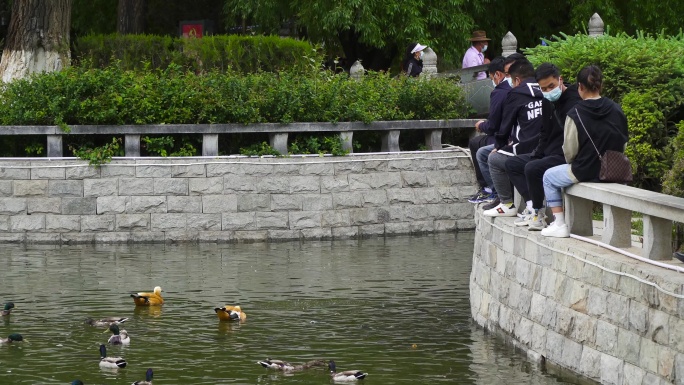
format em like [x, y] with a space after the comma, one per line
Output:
[418, 47]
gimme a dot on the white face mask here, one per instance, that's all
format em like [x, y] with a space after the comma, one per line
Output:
[510, 81]
[484, 48]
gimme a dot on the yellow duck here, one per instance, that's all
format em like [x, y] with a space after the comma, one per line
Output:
[230, 313]
[148, 299]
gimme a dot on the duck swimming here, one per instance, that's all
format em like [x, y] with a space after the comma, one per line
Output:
[148, 378]
[288, 367]
[105, 322]
[77, 382]
[346, 376]
[110, 362]
[7, 310]
[230, 313]
[119, 337]
[16, 337]
[148, 299]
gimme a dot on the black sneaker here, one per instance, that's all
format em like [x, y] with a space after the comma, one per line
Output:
[678, 255]
[478, 197]
[492, 204]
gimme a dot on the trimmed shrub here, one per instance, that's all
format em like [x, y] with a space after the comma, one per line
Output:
[645, 74]
[244, 54]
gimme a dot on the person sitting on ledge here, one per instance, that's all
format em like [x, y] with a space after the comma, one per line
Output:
[595, 121]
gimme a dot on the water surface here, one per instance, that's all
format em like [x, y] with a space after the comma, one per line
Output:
[396, 308]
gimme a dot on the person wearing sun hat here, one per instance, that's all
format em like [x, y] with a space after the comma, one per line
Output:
[474, 56]
[412, 65]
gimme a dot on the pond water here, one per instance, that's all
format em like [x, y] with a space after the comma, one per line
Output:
[396, 308]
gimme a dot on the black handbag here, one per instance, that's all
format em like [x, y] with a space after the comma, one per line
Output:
[615, 166]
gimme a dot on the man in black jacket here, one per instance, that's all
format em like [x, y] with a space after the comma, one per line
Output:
[527, 171]
[518, 133]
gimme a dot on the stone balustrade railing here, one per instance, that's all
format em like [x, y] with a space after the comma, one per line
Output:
[619, 201]
[278, 133]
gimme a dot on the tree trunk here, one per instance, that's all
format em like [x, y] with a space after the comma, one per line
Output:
[37, 38]
[131, 17]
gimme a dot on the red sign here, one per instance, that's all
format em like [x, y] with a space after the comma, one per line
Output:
[192, 30]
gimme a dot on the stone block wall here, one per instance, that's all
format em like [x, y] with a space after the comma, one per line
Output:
[234, 199]
[566, 302]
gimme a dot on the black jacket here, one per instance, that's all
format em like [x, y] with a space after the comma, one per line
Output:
[414, 67]
[553, 116]
[496, 102]
[521, 122]
[607, 125]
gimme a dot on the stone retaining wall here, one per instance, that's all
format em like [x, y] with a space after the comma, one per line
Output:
[579, 306]
[234, 199]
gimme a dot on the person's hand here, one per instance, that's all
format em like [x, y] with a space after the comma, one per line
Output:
[493, 151]
[486, 61]
[477, 125]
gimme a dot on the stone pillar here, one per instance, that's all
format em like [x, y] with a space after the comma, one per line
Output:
[132, 145]
[617, 226]
[209, 144]
[657, 238]
[390, 141]
[509, 44]
[346, 138]
[429, 62]
[356, 71]
[54, 146]
[595, 26]
[279, 142]
[578, 215]
[433, 139]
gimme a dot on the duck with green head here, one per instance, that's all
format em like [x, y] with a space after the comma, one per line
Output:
[77, 382]
[16, 337]
[7, 310]
[285, 366]
[119, 337]
[148, 378]
[110, 362]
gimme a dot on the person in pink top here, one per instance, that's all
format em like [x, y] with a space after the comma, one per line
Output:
[474, 56]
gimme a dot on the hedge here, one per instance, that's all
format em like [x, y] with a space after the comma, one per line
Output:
[243, 54]
[645, 74]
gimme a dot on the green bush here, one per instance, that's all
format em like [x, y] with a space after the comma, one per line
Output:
[673, 183]
[244, 54]
[645, 74]
[113, 96]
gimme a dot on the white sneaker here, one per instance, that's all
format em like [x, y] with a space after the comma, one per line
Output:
[538, 221]
[502, 210]
[525, 218]
[557, 231]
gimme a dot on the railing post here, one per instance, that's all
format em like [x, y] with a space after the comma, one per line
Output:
[617, 226]
[595, 26]
[657, 238]
[132, 145]
[279, 142]
[433, 139]
[578, 215]
[429, 62]
[54, 146]
[209, 144]
[346, 138]
[509, 44]
[356, 71]
[390, 141]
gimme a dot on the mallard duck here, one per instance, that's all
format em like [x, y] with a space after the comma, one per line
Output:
[105, 322]
[119, 337]
[77, 382]
[16, 337]
[346, 376]
[8, 309]
[230, 313]
[148, 299]
[148, 378]
[288, 367]
[110, 362]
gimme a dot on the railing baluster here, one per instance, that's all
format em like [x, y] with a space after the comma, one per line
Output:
[578, 215]
[279, 142]
[346, 138]
[390, 141]
[132, 145]
[617, 226]
[210, 145]
[657, 238]
[54, 146]
[433, 139]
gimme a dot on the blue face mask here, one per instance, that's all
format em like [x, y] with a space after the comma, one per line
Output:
[553, 95]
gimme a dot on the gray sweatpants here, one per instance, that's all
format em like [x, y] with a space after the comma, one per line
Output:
[497, 170]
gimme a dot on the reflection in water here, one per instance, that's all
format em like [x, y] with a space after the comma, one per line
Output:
[396, 308]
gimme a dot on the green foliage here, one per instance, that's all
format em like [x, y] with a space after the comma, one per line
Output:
[259, 149]
[98, 155]
[317, 144]
[645, 74]
[158, 146]
[34, 149]
[113, 96]
[673, 182]
[224, 53]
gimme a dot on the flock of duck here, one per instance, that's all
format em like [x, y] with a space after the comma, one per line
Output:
[154, 298]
